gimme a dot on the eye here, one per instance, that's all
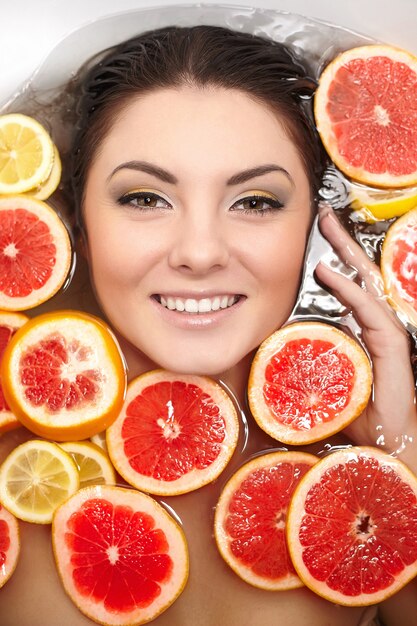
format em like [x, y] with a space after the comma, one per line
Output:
[258, 204]
[144, 200]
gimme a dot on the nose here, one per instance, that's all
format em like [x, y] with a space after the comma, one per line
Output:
[200, 245]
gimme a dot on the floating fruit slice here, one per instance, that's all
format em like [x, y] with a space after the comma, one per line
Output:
[365, 109]
[26, 153]
[308, 381]
[9, 323]
[35, 257]
[35, 479]
[93, 464]
[63, 375]
[47, 188]
[376, 205]
[249, 525]
[121, 557]
[174, 434]
[399, 265]
[9, 545]
[352, 526]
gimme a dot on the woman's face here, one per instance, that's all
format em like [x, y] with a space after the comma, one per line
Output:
[197, 210]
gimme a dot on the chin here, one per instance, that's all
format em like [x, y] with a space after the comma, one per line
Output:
[194, 364]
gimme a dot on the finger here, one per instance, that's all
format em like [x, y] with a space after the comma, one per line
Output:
[350, 252]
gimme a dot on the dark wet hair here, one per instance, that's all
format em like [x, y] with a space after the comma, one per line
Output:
[201, 56]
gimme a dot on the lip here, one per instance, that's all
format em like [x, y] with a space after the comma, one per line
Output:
[195, 320]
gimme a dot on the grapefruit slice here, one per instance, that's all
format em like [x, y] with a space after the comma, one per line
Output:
[35, 479]
[64, 376]
[121, 557]
[365, 109]
[250, 519]
[35, 257]
[93, 464]
[9, 323]
[352, 527]
[308, 381]
[399, 265]
[9, 545]
[174, 434]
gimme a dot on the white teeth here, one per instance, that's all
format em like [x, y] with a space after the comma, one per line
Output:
[205, 305]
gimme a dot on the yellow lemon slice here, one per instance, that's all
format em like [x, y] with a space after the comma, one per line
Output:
[35, 479]
[47, 188]
[94, 466]
[100, 440]
[376, 205]
[26, 153]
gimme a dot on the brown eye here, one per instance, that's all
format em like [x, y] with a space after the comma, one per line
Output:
[257, 205]
[144, 200]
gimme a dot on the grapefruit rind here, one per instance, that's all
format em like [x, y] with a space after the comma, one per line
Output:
[8, 420]
[264, 461]
[358, 398]
[295, 521]
[397, 296]
[325, 126]
[195, 478]
[104, 355]
[63, 255]
[31, 489]
[178, 550]
[12, 552]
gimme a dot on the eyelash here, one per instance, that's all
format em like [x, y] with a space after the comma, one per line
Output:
[134, 197]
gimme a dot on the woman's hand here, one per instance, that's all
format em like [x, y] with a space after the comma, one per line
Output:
[390, 418]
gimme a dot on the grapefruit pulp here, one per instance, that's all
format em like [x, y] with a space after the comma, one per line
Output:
[121, 557]
[308, 380]
[64, 376]
[352, 526]
[9, 323]
[9, 545]
[250, 519]
[365, 109]
[174, 434]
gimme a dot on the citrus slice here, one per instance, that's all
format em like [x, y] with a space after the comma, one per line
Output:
[9, 323]
[9, 545]
[93, 464]
[35, 479]
[99, 440]
[308, 381]
[352, 527]
[47, 188]
[35, 257]
[121, 557]
[375, 205]
[365, 109]
[26, 153]
[174, 434]
[64, 376]
[250, 519]
[399, 265]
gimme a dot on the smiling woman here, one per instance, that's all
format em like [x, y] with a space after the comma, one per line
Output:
[195, 169]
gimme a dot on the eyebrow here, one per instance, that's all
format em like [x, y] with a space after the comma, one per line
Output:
[167, 177]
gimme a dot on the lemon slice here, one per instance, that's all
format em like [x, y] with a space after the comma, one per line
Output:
[99, 440]
[375, 205]
[47, 188]
[94, 466]
[26, 153]
[35, 479]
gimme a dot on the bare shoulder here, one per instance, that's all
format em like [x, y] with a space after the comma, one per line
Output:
[401, 608]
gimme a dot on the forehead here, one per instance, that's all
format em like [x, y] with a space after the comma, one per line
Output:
[205, 127]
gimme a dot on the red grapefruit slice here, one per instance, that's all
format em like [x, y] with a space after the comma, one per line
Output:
[174, 434]
[308, 381]
[9, 544]
[121, 557]
[64, 376]
[9, 323]
[249, 525]
[352, 526]
[399, 265]
[35, 257]
[366, 110]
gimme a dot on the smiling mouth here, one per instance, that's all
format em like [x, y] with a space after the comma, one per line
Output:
[202, 305]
